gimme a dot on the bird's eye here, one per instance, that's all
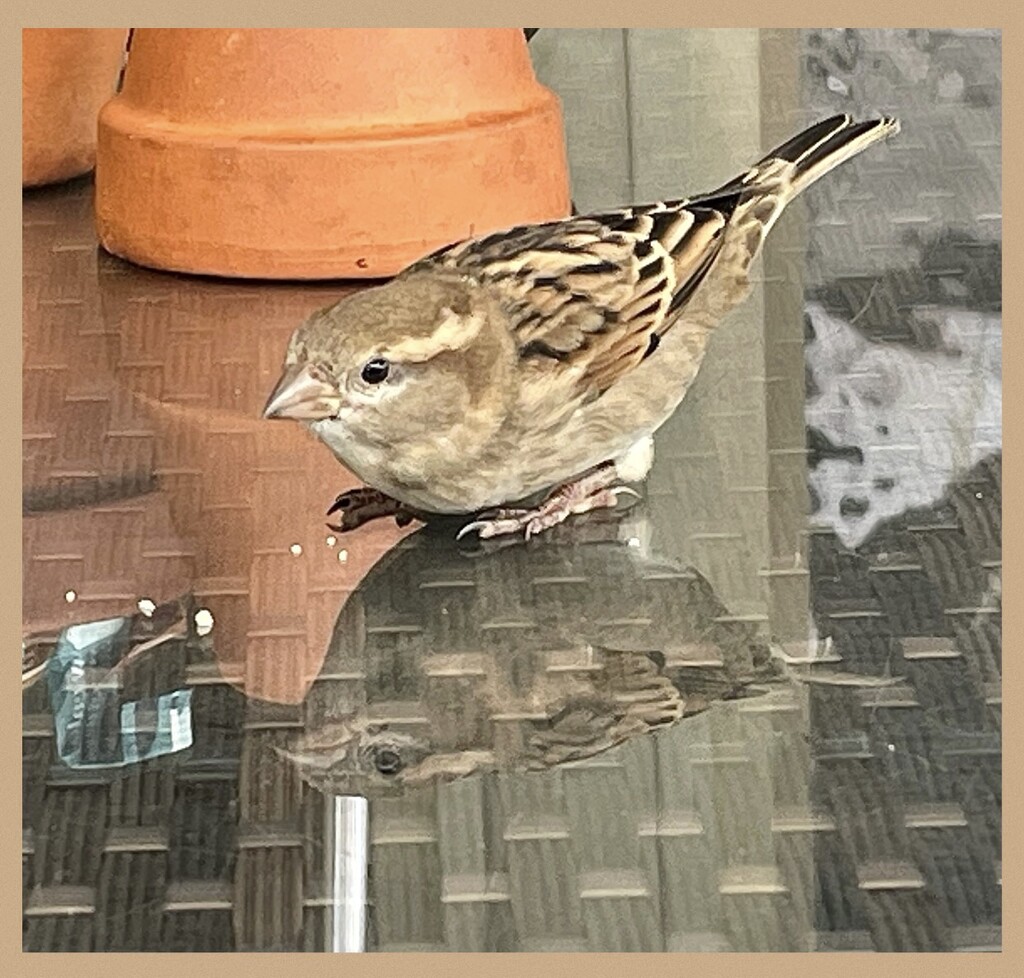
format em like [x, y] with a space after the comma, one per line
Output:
[388, 761]
[375, 371]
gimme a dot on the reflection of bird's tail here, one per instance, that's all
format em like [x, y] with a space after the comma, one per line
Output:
[825, 677]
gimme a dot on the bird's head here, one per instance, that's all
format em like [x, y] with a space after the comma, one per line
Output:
[399, 362]
[356, 755]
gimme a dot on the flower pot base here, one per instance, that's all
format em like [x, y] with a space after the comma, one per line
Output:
[320, 197]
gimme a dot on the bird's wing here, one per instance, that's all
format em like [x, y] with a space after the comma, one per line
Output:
[594, 294]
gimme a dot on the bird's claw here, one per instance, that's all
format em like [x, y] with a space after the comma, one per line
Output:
[498, 523]
[359, 506]
[556, 509]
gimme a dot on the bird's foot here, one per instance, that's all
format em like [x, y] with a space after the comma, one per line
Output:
[359, 506]
[592, 491]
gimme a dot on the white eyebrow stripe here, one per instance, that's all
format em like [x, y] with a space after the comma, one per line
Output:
[454, 332]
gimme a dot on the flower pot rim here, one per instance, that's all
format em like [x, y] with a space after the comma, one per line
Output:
[122, 116]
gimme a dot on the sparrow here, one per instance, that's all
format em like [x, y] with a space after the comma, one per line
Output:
[520, 376]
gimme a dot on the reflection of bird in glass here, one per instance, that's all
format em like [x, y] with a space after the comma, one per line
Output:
[625, 695]
[516, 659]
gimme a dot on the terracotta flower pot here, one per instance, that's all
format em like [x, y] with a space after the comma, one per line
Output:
[323, 153]
[66, 76]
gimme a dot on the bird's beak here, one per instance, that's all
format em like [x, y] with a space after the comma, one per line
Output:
[303, 394]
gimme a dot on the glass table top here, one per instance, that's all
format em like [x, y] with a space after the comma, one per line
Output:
[759, 709]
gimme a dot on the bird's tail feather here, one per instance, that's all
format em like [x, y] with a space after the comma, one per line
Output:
[755, 200]
[824, 146]
[760, 195]
[764, 191]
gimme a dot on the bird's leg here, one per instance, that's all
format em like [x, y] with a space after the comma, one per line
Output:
[359, 506]
[594, 490]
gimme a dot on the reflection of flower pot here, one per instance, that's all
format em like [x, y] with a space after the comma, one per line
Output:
[244, 499]
[66, 75]
[323, 153]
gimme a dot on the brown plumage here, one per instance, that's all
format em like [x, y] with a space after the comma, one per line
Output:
[520, 360]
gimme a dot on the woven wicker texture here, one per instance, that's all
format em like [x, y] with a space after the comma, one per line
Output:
[830, 489]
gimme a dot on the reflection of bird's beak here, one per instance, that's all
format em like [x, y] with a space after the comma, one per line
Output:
[303, 394]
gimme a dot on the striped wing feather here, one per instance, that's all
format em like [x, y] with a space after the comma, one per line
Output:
[611, 283]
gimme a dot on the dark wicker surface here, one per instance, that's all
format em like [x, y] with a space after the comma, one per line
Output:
[598, 750]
